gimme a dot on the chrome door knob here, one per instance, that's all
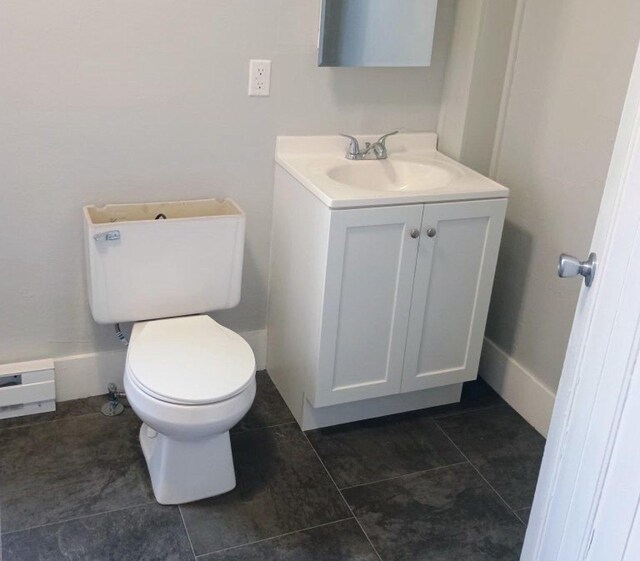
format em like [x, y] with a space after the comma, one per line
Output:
[415, 233]
[569, 266]
[431, 232]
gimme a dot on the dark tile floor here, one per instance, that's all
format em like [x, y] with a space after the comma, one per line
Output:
[443, 484]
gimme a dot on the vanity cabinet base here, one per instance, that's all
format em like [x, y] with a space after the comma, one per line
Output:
[318, 417]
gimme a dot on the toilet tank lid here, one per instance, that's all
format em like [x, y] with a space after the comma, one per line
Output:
[190, 360]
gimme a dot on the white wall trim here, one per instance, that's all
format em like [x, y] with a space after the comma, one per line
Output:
[506, 91]
[517, 386]
[458, 79]
[85, 375]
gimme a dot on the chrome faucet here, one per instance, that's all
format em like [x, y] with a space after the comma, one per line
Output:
[375, 151]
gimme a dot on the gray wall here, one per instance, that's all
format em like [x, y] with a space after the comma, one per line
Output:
[146, 100]
[572, 69]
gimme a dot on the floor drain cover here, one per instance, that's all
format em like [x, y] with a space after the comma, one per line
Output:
[112, 408]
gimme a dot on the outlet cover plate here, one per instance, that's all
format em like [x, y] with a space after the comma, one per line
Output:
[259, 77]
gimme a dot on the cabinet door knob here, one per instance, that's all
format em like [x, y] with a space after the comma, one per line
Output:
[431, 232]
[415, 233]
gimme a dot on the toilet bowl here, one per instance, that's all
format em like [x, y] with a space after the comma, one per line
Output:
[190, 380]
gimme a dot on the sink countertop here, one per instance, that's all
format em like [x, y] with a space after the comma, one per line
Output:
[314, 160]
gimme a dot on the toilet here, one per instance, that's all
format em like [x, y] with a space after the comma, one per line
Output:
[163, 266]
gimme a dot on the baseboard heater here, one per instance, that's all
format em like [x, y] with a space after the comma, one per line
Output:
[27, 388]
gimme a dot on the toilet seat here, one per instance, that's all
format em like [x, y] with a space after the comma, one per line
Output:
[189, 360]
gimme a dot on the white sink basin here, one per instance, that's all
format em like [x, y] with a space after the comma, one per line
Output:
[415, 172]
[390, 175]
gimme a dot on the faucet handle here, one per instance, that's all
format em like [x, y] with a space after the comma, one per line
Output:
[354, 146]
[384, 137]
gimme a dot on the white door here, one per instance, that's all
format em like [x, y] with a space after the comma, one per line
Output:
[617, 519]
[370, 269]
[586, 502]
[452, 287]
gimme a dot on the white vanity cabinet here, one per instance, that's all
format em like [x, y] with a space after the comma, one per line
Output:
[377, 298]
[406, 295]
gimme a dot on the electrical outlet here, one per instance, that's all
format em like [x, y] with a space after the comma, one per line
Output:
[259, 77]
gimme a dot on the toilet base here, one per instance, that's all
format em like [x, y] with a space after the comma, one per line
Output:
[183, 471]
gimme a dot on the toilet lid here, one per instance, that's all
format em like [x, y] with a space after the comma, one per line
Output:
[189, 360]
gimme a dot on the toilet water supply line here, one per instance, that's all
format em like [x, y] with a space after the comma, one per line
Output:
[120, 335]
[113, 406]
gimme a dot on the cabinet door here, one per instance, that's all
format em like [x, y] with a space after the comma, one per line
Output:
[370, 268]
[451, 293]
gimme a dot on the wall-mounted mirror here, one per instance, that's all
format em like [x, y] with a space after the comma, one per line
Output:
[376, 32]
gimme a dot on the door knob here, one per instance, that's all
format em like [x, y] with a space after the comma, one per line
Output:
[431, 232]
[569, 266]
[415, 233]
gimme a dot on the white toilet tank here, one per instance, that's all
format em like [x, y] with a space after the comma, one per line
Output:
[158, 260]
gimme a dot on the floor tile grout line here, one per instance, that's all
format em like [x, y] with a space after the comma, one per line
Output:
[186, 530]
[480, 474]
[419, 472]
[516, 512]
[74, 518]
[239, 432]
[342, 496]
[97, 413]
[63, 418]
[230, 548]
[37, 423]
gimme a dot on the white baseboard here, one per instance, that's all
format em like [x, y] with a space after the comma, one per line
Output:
[89, 374]
[517, 386]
